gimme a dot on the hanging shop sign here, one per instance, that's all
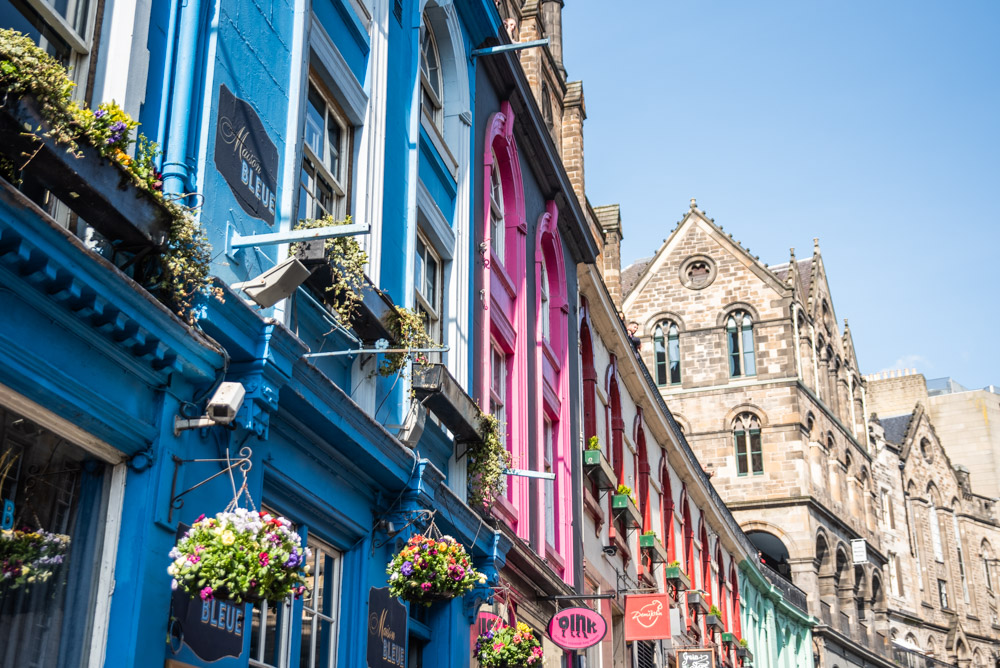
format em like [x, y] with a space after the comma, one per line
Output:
[386, 630]
[695, 658]
[245, 156]
[8, 515]
[485, 621]
[212, 628]
[647, 617]
[577, 628]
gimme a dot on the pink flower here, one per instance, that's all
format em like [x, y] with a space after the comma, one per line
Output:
[426, 586]
[517, 637]
[206, 594]
[536, 651]
[265, 558]
[497, 646]
[194, 559]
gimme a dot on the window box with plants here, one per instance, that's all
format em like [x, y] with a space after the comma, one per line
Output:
[698, 601]
[597, 466]
[625, 509]
[743, 652]
[676, 576]
[653, 548]
[729, 639]
[82, 157]
[714, 620]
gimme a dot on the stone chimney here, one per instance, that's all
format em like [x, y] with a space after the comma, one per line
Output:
[574, 113]
[896, 392]
[610, 263]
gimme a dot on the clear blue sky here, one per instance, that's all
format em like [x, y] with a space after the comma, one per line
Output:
[873, 125]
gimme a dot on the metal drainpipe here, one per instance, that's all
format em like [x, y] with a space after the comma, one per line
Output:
[168, 70]
[175, 167]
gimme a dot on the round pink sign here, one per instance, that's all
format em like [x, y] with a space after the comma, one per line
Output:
[577, 628]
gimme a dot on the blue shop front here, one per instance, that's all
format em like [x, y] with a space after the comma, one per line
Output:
[110, 447]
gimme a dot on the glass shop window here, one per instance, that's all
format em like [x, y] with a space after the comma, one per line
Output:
[52, 494]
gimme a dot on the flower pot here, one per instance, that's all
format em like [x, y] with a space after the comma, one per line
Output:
[729, 639]
[714, 622]
[422, 561]
[653, 548]
[625, 511]
[598, 469]
[96, 188]
[696, 601]
[678, 578]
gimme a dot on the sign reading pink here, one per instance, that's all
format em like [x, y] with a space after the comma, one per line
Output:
[577, 628]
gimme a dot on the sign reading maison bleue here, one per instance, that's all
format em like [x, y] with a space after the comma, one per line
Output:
[245, 156]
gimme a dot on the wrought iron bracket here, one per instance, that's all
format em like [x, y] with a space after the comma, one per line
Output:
[177, 502]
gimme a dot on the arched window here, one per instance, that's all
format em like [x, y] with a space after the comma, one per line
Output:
[497, 224]
[543, 291]
[642, 471]
[935, 525]
[739, 334]
[746, 441]
[431, 81]
[986, 553]
[668, 354]
[667, 508]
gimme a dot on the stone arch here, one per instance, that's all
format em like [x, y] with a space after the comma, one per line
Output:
[660, 317]
[746, 407]
[774, 552]
[736, 306]
[795, 549]
[822, 559]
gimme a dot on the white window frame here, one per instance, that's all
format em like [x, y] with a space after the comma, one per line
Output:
[548, 455]
[429, 96]
[497, 214]
[431, 305]
[320, 169]
[543, 289]
[284, 626]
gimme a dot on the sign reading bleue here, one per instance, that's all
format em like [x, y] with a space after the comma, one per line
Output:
[245, 156]
[577, 628]
[386, 630]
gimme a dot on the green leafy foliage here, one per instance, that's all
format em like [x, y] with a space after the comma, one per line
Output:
[25, 69]
[509, 647]
[593, 443]
[428, 569]
[410, 331]
[714, 610]
[241, 556]
[346, 260]
[488, 461]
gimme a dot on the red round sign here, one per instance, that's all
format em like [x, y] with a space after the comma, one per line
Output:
[577, 628]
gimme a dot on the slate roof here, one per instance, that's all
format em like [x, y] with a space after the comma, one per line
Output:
[805, 273]
[632, 273]
[895, 427]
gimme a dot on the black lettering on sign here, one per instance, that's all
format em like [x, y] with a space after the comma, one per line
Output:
[245, 156]
[386, 630]
[695, 658]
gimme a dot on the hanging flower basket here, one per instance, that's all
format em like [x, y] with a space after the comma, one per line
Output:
[242, 556]
[30, 557]
[511, 647]
[430, 569]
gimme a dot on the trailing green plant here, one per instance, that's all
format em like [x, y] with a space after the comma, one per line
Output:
[674, 564]
[743, 643]
[714, 610]
[488, 462]
[346, 260]
[593, 443]
[649, 533]
[409, 330]
[25, 69]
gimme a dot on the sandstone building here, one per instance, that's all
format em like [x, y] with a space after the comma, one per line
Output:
[766, 387]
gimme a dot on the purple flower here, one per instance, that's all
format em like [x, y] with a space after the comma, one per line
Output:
[117, 130]
[407, 568]
[100, 114]
[294, 559]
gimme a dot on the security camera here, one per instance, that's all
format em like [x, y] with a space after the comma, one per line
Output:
[221, 409]
[225, 403]
[610, 550]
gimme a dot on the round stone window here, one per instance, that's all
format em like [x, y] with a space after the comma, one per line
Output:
[697, 272]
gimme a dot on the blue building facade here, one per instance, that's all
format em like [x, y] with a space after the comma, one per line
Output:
[353, 108]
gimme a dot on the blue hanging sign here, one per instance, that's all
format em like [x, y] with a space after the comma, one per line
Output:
[245, 156]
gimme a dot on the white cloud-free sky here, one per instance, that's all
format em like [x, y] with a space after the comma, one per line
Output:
[874, 126]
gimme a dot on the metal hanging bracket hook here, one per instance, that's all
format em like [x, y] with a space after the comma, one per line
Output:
[243, 464]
